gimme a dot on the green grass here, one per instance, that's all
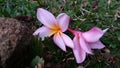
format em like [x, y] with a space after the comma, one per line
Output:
[83, 17]
[12, 8]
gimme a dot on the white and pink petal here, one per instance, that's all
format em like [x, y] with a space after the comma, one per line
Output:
[46, 18]
[67, 40]
[84, 45]
[105, 30]
[93, 35]
[79, 53]
[59, 41]
[63, 21]
[42, 32]
[97, 45]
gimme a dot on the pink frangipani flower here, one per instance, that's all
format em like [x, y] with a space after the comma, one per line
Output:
[85, 41]
[54, 26]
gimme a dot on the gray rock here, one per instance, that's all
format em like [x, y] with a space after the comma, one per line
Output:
[15, 42]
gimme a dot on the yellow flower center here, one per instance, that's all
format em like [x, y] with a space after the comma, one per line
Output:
[55, 29]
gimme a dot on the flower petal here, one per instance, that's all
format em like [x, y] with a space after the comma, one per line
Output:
[79, 53]
[105, 30]
[93, 35]
[84, 45]
[45, 17]
[67, 40]
[63, 21]
[59, 41]
[97, 45]
[42, 32]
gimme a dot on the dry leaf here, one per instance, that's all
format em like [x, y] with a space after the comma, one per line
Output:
[41, 65]
[109, 1]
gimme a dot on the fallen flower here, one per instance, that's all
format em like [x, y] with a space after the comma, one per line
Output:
[56, 27]
[85, 41]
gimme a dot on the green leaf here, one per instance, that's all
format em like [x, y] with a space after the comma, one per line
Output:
[35, 61]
